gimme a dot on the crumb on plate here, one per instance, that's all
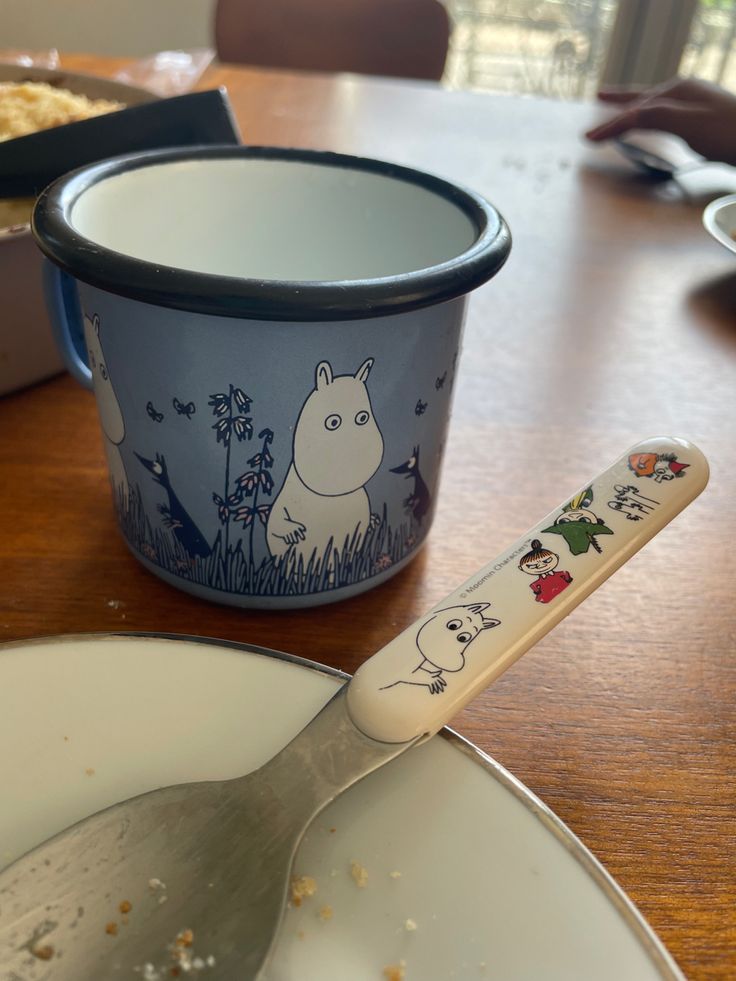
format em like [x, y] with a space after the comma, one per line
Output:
[410, 925]
[44, 953]
[325, 913]
[395, 972]
[359, 873]
[157, 887]
[302, 887]
[181, 960]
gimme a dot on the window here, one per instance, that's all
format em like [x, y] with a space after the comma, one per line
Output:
[547, 47]
[709, 51]
[566, 48]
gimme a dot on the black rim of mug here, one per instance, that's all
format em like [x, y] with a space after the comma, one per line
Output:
[271, 299]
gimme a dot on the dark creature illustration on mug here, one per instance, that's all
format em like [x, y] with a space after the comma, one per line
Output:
[322, 506]
[442, 642]
[418, 502]
[174, 514]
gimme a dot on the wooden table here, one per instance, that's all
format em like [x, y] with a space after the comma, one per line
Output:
[614, 319]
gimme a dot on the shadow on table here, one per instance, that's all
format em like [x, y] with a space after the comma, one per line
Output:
[627, 181]
[697, 186]
[714, 303]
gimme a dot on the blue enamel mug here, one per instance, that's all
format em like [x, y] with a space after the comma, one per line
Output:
[272, 336]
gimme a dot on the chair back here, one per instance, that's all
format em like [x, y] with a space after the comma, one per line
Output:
[400, 38]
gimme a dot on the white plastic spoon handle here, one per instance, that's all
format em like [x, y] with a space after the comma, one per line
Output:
[415, 684]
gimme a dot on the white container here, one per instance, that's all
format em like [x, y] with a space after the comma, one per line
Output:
[28, 353]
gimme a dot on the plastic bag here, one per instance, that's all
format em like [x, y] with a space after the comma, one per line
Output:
[168, 73]
[31, 59]
[165, 73]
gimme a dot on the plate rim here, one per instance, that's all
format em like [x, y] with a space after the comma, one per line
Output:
[710, 224]
[658, 954]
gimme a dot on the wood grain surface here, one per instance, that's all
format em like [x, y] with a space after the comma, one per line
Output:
[614, 320]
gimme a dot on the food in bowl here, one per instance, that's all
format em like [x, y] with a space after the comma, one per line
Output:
[15, 211]
[26, 107]
[28, 353]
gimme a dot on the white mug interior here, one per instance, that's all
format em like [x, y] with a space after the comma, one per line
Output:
[278, 220]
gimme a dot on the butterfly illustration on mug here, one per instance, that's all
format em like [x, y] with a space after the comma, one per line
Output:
[182, 409]
[153, 414]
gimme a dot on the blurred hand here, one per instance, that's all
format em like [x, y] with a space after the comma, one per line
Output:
[703, 114]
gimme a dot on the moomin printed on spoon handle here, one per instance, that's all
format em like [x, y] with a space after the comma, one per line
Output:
[415, 684]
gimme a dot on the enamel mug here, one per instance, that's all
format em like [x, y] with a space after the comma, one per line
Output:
[272, 336]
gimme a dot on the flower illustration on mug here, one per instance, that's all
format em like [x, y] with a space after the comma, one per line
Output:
[249, 482]
[246, 514]
[239, 502]
[242, 401]
[223, 511]
[229, 410]
[252, 481]
[242, 427]
[220, 405]
[228, 421]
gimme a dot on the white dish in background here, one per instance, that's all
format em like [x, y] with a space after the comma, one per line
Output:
[719, 219]
[497, 887]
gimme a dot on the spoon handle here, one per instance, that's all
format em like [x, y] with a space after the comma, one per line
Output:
[418, 681]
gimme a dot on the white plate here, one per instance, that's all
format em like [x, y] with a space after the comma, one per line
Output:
[498, 888]
[719, 219]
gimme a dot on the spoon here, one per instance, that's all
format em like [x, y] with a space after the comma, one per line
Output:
[224, 849]
[655, 163]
